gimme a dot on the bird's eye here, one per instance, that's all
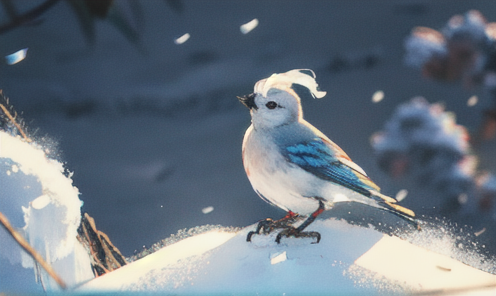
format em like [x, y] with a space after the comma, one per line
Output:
[271, 105]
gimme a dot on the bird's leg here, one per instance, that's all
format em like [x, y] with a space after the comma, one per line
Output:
[268, 225]
[298, 232]
[284, 222]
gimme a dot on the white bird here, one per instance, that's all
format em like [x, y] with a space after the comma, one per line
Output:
[293, 165]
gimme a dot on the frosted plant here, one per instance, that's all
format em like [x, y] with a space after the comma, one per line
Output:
[423, 45]
[464, 49]
[423, 142]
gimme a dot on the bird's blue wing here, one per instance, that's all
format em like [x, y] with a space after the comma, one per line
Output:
[324, 161]
[327, 161]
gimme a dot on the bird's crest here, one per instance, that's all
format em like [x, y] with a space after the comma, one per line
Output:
[287, 81]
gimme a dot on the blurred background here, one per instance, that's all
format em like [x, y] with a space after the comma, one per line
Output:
[148, 122]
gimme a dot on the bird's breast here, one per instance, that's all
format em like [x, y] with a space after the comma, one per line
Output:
[281, 183]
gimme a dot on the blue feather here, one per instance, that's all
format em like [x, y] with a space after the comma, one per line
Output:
[318, 159]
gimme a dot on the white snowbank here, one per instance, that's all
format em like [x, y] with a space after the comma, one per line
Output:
[42, 204]
[348, 260]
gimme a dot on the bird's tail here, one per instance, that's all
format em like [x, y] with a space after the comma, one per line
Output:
[389, 204]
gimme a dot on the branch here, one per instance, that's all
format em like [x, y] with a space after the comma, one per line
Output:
[14, 122]
[31, 251]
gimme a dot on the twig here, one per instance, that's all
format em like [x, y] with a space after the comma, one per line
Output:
[94, 255]
[12, 119]
[31, 251]
[105, 256]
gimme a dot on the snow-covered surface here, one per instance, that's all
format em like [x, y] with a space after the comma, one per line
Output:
[41, 202]
[348, 260]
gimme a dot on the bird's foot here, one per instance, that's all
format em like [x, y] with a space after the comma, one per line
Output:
[295, 232]
[268, 225]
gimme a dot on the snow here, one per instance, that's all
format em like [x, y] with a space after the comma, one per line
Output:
[378, 96]
[149, 267]
[421, 269]
[207, 210]
[348, 260]
[249, 26]
[472, 101]
[41, 202]
[278, 257]
[16, 57]
[237, 266]
[401, 195]
[182, 39]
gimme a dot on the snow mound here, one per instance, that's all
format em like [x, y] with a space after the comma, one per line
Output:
[348, 260]
[40, 201]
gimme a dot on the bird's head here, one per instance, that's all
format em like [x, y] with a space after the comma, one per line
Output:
[276, 100]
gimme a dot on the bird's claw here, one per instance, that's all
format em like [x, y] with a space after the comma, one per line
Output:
[268, 225]
[294, 232]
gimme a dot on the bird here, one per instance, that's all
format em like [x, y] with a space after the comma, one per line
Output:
[294, 166]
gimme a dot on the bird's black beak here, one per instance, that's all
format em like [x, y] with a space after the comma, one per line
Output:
[248, 101]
